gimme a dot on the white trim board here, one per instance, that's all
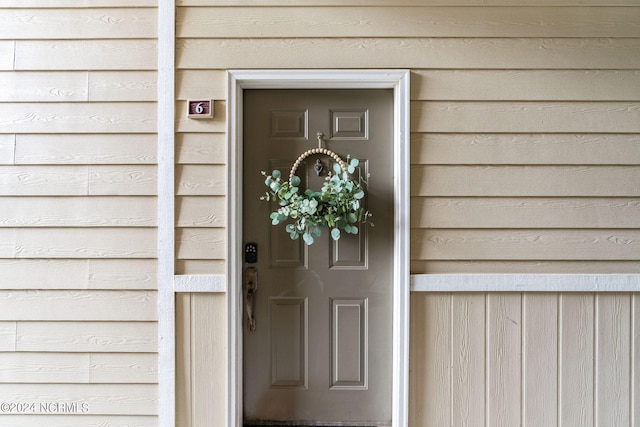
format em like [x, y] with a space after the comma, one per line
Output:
[398, 80]
[466, 283]
[200, 283]
[525, 282]
[166, 215]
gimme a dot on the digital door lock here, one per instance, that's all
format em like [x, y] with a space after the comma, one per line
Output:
[251, 253]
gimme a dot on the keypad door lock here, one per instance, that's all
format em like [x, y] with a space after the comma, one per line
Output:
[251, 253]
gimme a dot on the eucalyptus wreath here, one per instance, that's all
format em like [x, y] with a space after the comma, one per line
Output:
[337, 206]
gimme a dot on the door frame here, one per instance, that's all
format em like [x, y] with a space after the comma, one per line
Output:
[237, 82]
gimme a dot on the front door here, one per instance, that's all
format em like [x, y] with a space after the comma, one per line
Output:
[319, 350]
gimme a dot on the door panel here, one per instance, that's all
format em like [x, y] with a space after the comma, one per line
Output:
[349, 345]
[321, 350]
[288, 329]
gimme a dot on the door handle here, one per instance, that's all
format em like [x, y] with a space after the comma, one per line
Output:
[250, 287]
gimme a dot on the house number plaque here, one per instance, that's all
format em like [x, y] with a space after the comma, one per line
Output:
[200, 109]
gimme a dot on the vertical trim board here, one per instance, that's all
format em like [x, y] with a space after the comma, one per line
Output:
[166, 214]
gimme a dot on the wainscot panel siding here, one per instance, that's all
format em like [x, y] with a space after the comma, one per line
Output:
[200, 355]
[496, 359]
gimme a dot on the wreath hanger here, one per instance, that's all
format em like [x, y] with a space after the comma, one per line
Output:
[318, 165]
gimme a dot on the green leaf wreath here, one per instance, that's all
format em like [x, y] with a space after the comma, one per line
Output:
[337, 206]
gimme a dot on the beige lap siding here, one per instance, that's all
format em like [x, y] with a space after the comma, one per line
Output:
[78, 216]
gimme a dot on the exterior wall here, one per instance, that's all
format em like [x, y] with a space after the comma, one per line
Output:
[524, 157]
[524, 160]
[78, 304]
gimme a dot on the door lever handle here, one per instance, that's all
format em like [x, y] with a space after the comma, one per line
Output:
[250, 287]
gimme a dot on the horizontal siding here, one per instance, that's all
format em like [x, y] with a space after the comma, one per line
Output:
[463, 53]
[42, 24]
[78, 243]
[524, 244]
[525, 148]
[200, 180]
[7, 50]
[79, 305]
[200, 189]
[104, 274]
[196, 83]
[138, 368]
[140, 180]
[107, 399]
[100, 54]
[75, 149]
[201, 243]
[524, 118]
[567, 181]
[7, 149]
[531, 212]
[498, 359]
[198, 266]
[77, 3]
[201, 148]
[43, 87]
[123, 86]
[72, 368]
[524, 267]
[290, 22]
[78, 118]
[79, 421]
[84, 337]
[8, 336]
[78, 176]
[525, 85]
[106, 211]
[123, 180]
[201, 177]
[201, 211]
[547, 117]
[77, 86]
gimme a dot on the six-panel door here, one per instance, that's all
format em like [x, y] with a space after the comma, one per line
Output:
[321, 348]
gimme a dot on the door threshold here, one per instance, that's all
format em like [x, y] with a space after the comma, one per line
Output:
[333, 424]
[314, 424]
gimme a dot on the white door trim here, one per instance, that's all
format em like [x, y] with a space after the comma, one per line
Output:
[398, 80]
